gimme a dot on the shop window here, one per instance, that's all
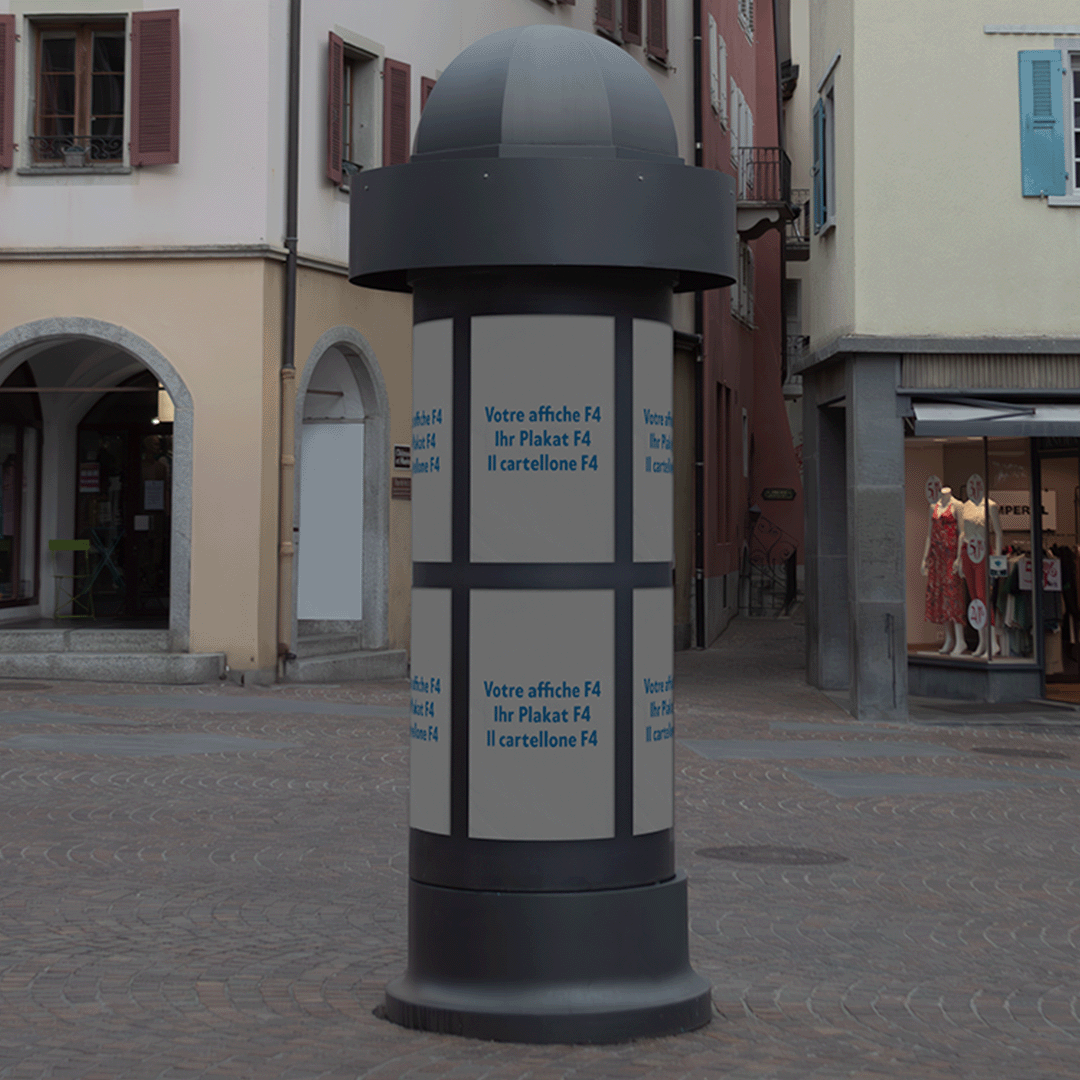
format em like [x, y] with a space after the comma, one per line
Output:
[974, 586]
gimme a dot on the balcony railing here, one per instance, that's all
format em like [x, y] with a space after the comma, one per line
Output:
[797, 231]
[764, 175]
[77, 151]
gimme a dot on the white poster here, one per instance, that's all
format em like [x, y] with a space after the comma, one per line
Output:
[1014, 510]
[654, 711]
[542, 715]
[433, 380]
[654, 468]
[429, 712]
[543, 438]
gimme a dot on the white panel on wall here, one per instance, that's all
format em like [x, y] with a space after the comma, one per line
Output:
[654, 468]
[429, 712]
[542, 715]
[331, 522]
[433, 376]
[543, 438]
[654, 711]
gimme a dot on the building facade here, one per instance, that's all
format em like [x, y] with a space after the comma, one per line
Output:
[194, 396]
[941, 389]
[752, 493]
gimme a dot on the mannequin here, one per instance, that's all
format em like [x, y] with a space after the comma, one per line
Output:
[971, 552]
[944, 600]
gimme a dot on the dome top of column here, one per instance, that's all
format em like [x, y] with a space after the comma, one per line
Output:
[546, 91]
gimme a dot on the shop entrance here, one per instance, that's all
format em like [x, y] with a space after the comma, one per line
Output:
[1060, 469]
[123, 500]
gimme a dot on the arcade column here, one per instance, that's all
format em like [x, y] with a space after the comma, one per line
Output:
[542, 226]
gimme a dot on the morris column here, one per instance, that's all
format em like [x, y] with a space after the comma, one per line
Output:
[542, 225]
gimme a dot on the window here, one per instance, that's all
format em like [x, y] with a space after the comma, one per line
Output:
[79, 93]
[742, 291]
[823, 170]
[86, 109]
[620, 20]
[741, 120]
[746, 17]
[718, 73]
[368, 121]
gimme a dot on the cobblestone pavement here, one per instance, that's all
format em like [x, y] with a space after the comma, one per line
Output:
[211, 882]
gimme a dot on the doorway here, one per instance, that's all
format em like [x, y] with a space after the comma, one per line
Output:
[123, 500]
[1060, 475]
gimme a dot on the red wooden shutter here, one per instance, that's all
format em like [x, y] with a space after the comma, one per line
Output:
[7, 91]
[631, 21]
[605, 15]
[397, 83]
[426, 86]
[335, 107]
[155, 87]
[656, 46]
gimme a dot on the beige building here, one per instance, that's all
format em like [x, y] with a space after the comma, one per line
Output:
[942, 388]
[206, 411]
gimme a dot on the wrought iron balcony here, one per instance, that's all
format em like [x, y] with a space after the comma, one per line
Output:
[763, 190]
[77, 151]
[797, 230]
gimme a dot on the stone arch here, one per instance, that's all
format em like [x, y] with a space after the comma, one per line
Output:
[357, 351]
[14, 345]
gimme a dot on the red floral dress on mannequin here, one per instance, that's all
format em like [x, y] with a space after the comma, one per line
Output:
[944, 599]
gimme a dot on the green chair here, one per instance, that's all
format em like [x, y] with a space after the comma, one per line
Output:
[73, 589]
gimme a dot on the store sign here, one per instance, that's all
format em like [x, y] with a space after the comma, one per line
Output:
[1014, 510]
[778, 494]
[1051, 570]
[401, 487]
[403, 454]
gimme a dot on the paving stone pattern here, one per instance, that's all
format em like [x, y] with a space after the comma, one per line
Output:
[210, 882]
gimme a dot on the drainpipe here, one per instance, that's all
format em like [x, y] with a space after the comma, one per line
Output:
[287, 419]
[699, 381]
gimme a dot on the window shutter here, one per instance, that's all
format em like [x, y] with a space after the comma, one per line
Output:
[426, 86]
[7, 91]
[605, 15]
[1042, 124]
[724, 119]
[335, 108]
[631, 21]
[397, 83]
[818, 125]
[657, 43]
[749, 284]
[155, 87]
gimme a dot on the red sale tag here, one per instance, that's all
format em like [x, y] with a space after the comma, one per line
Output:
[933, 488]
[977, 614]
[976, 549]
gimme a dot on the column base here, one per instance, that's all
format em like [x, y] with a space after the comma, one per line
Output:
[568, 967]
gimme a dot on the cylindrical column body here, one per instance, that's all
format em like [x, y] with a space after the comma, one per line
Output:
[542, 727]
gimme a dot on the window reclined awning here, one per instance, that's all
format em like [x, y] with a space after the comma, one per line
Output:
[995, 418]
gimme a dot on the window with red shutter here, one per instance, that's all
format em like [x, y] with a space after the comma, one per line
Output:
[605, 15]
[656, 46]
[426, 86]
[335, 107]
[397, 84]
[155, 87]
[7, 91]
[631, 21]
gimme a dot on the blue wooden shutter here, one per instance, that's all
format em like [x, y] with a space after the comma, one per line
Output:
[1042, 124]
[818, 124]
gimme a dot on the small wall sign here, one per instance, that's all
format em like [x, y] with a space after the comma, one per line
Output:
[400, 487]
[402, 456]
[778, 494]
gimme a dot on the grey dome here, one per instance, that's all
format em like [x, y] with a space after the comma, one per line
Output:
[546, 91]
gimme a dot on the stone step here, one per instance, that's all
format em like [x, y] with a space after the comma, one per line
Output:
[327, 644]
[89, 640]
[176, 669]
[348, 666]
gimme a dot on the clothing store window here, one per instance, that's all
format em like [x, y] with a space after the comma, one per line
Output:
[969, 541]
